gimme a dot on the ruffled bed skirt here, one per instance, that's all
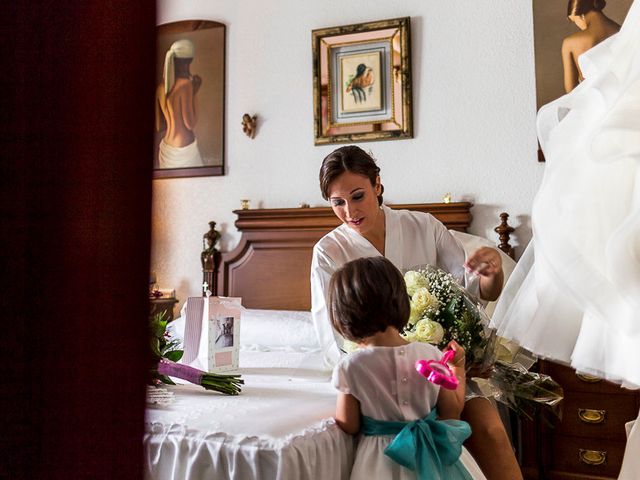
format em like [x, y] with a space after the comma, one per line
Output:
[175, 453]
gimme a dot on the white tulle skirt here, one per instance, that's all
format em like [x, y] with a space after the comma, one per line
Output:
[574, 297]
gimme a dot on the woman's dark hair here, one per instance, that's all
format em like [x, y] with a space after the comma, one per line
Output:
[580, 7]
[348, 159]
[366, 296]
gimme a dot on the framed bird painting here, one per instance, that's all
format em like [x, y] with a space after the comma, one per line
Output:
[362, 82]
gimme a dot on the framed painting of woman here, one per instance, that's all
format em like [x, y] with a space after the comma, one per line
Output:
[563, 30]
[189, 99]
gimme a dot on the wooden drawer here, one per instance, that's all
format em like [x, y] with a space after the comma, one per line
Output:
[572, 382]
[586, 456]
[596, 415]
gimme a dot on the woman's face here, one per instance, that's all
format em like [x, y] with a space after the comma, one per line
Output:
[355, 201]
[579, 21]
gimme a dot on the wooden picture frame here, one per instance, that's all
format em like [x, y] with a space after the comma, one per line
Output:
[362, 82]
[190, 80]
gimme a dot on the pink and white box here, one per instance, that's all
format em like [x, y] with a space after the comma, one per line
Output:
[212, 333]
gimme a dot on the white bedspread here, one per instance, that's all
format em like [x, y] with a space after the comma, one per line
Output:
[280, 427]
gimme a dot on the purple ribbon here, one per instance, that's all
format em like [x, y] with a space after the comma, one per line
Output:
[185, 372]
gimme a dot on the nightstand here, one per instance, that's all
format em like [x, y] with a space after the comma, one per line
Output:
[159, 305]
[588, 443]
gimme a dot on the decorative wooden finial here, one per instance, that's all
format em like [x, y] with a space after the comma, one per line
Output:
[504, 230]
[210, 259]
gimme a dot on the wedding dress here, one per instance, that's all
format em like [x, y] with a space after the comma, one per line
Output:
[574, 296]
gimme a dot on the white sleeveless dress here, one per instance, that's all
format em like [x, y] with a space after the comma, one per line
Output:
[385, 382]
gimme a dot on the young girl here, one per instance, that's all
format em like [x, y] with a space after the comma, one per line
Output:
[409, 426]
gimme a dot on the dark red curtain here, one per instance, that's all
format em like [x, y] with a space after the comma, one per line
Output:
[77, 107]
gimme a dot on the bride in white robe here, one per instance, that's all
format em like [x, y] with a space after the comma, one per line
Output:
[575, 295]
[350, 180]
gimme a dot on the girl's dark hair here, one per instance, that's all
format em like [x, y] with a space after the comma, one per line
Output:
[366, 296]
[580, 7]
[348, 159]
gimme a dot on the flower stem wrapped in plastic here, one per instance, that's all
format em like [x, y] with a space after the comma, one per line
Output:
[442, 310]
[166, 352]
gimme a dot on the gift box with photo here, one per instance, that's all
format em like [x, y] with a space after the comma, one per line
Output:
[212, 333]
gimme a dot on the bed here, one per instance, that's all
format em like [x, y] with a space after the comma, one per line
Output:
[281, 426]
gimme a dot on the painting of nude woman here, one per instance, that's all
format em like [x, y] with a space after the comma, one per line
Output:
[189, 99]
[563, 30]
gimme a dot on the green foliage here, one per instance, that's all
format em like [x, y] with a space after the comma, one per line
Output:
[162, 346]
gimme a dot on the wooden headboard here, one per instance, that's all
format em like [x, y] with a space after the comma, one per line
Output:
[270, 267]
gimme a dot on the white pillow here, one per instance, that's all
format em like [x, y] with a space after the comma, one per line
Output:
[267, 330]
[277, 329]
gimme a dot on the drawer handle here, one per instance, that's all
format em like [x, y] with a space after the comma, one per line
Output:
[592, 416]
[588, 378]
[593, 457]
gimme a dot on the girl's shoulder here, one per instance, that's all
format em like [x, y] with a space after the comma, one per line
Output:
[426, 349]
[363, 357]
[372, 354]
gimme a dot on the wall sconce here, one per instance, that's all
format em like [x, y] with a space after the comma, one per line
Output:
[249, 124]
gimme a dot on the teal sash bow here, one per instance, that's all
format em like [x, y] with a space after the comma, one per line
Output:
[428, 446]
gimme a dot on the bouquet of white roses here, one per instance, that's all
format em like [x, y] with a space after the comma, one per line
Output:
[442, 310]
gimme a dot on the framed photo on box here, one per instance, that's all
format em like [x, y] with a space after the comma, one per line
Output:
[189, 99]
[362, 82]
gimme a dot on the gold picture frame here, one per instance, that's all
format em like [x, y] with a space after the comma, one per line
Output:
[362, 82]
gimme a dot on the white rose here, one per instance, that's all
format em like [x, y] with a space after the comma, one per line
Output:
[429, 331]
[415, 313]
[415, 280]
[424, 300]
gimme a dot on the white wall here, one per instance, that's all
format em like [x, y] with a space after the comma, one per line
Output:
[474, 118]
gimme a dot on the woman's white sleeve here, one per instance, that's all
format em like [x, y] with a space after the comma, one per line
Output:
[320, 277]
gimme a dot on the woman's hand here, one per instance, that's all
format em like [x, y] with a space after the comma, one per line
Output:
[486, 262]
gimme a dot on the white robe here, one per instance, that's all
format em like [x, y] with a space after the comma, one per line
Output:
[411, 239]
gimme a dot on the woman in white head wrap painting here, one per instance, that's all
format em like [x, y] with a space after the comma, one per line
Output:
[176, 109]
